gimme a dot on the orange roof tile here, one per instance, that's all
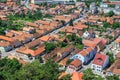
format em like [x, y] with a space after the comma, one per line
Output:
[77, 76]
[26, 50]
[45, 38]
[6, 38]
[89, 43]
[32, 24]
[99, 59]
[76, 62]
[4, 44]
[117, 40]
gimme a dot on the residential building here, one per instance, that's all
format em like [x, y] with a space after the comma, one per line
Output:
[99, 43]
[74, 66]
[117, 43]
[100, 62]
[93, 8]
[114, 68]
[63, 53]
[86, 55]
[103, 5]
[5, 47]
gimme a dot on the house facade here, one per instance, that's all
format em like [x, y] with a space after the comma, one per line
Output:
[100, 62]
[5, 47]
[85, 55]
[74, 66]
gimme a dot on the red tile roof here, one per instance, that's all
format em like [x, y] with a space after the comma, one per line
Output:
[45, 38]
[89, 43]
[76, 63]
[6, 38]
[99, 59]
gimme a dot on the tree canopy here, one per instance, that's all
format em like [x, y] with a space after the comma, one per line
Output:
[8, 68]
[13, 70]
[89, 75]
[110, 14]
[49, 47]
[114, 77]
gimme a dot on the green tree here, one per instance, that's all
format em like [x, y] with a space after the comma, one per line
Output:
[63, 22]
[71, 23]
[106, 25]
[40, 59]
[114, 77]
[111, 58]
[49, 47]
[110, 14]
[37, 71]
[3, 1]
[115, 25]
[88, 75]
[75, 39]
[62, 44]
[8, 68]
[69, 61]
[98, 78]
[66, 77]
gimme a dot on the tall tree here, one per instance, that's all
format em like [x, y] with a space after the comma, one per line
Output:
[71, 23]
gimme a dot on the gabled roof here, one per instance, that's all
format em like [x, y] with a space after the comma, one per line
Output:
[46, 38]
[4, 44]
[99, 59]
[86, 51]
[76, 63]
[94, 42]
[26, 50]
[89, 43]
[32, 24]
[6, 38]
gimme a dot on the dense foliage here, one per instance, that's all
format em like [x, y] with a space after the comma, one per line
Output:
[110, 14]
[76, 40]
[49, 47]
[111, 58]
[7, 25]
[8, 68]
[114, 77]
[30, 16]
[113, 26]
[89, 75]
[3, 1]
[66, 77]
[13, 70]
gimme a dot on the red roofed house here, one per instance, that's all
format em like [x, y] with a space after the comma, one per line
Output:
[74, 66]
[117, 43]
[96, 42]
[100, 62]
